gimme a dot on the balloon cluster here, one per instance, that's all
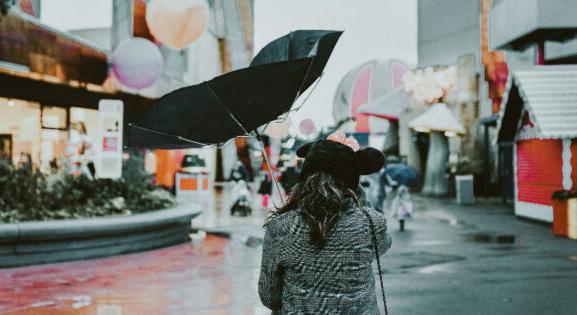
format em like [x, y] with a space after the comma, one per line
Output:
[429, 86]
[137, 62]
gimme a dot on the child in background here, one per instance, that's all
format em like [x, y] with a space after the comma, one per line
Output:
[403, 206]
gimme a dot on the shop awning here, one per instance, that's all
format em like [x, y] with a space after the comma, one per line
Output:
[548, 95]
[28, 43]
[49, 90]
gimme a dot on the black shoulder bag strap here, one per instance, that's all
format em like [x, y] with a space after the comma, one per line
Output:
[376, 246]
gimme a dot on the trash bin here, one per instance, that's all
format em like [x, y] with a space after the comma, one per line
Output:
[565, 214]
[464, 189]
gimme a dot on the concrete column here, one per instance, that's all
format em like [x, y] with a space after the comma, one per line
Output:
[121, 22]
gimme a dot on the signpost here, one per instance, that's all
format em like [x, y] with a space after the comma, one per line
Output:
[109, 161]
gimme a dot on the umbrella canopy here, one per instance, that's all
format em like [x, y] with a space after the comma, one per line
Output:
[301, 44]
[215, 111]
[388, 106]
[403, 175]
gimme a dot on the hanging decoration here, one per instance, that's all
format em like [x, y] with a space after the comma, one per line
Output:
[136, 63]
[177, 23]
[430, 86]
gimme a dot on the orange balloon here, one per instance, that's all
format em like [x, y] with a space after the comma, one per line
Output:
[177, 23]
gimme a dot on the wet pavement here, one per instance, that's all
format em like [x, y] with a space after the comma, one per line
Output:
[451, 260]
[212, 275]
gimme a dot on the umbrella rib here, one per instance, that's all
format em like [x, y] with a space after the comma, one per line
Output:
[308, 95]
[228, 111]
[305, 77]
[168, 134]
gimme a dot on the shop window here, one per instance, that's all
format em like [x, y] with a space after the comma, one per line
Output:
[89, 117]
[54, 117]
[20, 122]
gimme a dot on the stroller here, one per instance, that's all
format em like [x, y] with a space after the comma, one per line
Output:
[242, 197]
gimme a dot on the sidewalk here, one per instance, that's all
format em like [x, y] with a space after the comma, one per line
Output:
[452, 260]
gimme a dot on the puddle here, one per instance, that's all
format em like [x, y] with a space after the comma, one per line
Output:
[489, 238]
[430, 243]
[421, 262]
[442, 268]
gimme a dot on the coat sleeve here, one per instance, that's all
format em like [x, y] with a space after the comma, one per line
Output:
[270, 279]
[380, 223]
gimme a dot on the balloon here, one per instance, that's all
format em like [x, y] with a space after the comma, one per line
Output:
[177, 23]
[307, 127]
[136, 62]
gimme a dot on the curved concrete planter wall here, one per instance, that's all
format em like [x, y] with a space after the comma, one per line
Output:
[42, 242]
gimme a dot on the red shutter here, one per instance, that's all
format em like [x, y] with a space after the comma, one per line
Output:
[539, 170]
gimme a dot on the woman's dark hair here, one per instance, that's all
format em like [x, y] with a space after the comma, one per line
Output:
[321, 199]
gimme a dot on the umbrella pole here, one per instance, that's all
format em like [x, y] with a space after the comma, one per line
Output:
[267, 161]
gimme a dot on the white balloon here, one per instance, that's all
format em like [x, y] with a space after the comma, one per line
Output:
[177, 23]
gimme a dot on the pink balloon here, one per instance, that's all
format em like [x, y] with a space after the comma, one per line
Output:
[136, 63]
[307, 127]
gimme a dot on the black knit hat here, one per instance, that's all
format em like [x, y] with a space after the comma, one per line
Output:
[339, 161]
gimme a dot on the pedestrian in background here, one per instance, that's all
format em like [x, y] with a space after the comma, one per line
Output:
[239, 172]
[265, 189]
[289, 177]
[318, 248]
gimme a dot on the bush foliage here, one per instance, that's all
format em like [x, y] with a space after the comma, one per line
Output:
[26, 195]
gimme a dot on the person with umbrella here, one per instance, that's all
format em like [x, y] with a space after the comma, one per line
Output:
[318, 248]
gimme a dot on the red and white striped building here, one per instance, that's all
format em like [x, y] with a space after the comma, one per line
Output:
[539, 114]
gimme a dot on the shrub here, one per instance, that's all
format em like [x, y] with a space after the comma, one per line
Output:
[28, 195]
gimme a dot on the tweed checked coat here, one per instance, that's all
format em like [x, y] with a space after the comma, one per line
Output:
[297, 278]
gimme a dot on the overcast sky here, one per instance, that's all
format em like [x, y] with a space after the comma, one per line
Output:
[373, 29]
[68, 15]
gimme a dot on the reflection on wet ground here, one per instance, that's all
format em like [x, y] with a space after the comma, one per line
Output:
[492, 238]
[209, 277]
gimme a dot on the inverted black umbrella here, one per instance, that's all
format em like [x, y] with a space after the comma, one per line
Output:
[301, 44]
[212, 112]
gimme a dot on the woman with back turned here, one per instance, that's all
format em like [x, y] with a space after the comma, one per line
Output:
[318, 248]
